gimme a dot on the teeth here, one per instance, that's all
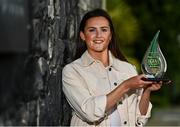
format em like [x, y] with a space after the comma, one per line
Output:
[97, 41]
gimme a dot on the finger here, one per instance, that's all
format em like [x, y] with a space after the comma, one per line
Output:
[156, 86]
[158, 83]
[142, 76]
[146, 81]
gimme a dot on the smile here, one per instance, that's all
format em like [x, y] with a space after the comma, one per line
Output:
[97, 41]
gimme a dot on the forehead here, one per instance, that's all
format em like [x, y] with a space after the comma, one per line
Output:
[100, 21]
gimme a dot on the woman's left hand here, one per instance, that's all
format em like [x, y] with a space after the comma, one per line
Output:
[153, 87]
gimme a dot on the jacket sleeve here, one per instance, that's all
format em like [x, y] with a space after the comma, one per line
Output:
[90, 108]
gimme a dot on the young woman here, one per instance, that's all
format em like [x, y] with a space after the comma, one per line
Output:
[100, 85]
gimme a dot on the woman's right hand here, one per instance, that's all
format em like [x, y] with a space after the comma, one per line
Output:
[136, 82]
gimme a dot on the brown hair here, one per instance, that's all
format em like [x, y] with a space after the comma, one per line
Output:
[113, 46]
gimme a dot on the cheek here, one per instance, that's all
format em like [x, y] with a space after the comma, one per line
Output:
[89, 37]
[109, 37]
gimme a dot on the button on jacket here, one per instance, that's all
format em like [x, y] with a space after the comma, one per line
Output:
[86, 82]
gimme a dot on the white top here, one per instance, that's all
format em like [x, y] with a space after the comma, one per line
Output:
[86, 82]
[115, 119]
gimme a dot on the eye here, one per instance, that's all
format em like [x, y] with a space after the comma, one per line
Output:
[92, 30]
[104, 29]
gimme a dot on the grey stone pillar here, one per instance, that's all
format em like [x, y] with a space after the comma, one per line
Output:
[58, 29]
[37, 73]
[53, 28]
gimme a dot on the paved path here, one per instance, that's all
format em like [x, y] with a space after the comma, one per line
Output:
[165, 117]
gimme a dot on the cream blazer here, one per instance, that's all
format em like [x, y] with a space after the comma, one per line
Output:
[86, 82]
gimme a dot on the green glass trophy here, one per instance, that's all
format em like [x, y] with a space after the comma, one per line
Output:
[154, 64]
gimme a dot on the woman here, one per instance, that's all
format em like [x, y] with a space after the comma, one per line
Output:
[101, 86]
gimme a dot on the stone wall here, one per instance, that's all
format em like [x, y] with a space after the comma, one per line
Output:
[36, 96]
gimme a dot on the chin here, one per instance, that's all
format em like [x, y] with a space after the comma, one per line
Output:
[99, 50]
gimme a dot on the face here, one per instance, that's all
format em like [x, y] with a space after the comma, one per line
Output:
[97, 34]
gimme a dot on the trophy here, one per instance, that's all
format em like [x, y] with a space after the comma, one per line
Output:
[154, 64]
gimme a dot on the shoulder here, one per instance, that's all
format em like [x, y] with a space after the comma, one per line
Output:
[125, 66]
[70, 66]
[122, 64]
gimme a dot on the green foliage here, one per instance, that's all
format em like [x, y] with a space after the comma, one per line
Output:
[137, 22]
[126, 26]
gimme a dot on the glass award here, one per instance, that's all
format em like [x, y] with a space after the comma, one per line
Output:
[154, 64]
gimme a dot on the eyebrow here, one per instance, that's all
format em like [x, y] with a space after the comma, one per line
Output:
[100, 27]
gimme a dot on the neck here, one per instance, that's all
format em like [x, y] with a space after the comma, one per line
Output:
[101, 56]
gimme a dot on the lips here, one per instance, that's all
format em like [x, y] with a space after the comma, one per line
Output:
[98, 41]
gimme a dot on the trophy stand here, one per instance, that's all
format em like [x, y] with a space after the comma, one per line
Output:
[163, 80]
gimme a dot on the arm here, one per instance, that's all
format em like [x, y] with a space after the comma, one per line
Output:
[144, 102]
[88, 107]
[145, 99]
[114, 96]
[135, 82]
[144, 108]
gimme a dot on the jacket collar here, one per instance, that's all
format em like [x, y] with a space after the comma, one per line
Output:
[87, 59]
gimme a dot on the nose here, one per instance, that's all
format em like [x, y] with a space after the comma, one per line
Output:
[98, 33]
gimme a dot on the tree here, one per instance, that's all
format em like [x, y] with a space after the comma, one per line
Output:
[151, 16]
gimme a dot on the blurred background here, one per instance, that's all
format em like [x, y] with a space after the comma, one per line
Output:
[37, 39]
[136, 23]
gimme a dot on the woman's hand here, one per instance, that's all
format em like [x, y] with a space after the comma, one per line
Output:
[153, 87]
[137, 82]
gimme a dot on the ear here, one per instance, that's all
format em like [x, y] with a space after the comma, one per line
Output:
[82, 36]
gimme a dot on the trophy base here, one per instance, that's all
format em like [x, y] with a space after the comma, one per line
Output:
[163, 80]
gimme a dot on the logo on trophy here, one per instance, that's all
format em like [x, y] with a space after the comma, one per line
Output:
[154, 64]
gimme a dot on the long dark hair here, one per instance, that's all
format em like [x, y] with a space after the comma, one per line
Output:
[113, 46]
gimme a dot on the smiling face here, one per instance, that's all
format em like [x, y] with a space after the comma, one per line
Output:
[96, 34]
